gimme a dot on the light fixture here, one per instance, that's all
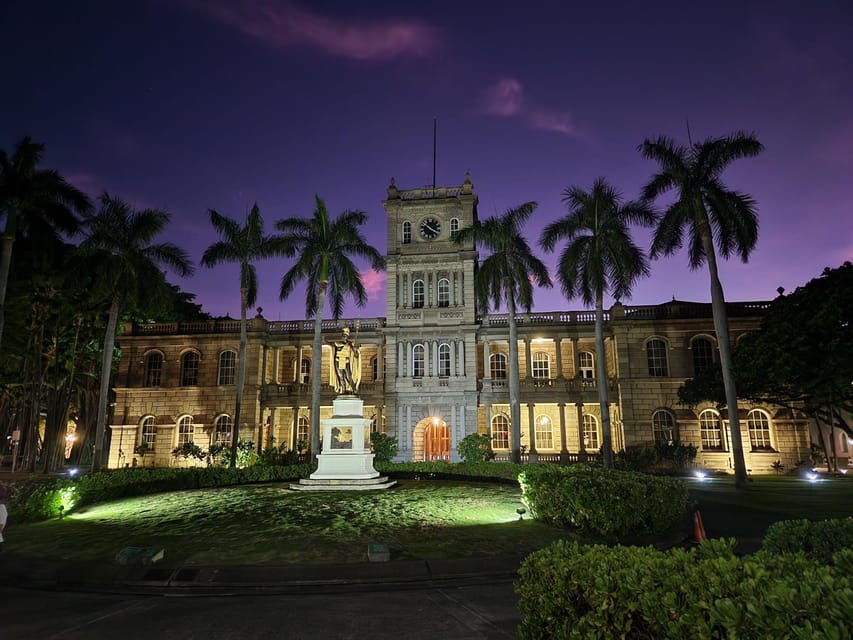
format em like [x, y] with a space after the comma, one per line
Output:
[701, 475]
[521, 511]
[811, 477]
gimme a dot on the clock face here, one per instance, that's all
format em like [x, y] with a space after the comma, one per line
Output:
[430, 228]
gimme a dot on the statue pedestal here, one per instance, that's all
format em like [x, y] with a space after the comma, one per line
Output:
[346, 462]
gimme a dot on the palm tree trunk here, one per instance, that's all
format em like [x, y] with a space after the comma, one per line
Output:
[241, 377]
[8, 243]
[603, 391]
[104, 396]
[721, 326]
[514, 386]
[316, 370]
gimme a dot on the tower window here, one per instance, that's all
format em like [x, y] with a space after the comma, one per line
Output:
[407, 232]
[454, 226]
[444, 360]
[444, 292]
[417, 294]
[418, 361]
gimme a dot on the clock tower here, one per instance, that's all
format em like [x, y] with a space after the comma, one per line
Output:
[431, 325]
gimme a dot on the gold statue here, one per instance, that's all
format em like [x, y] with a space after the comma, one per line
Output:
[345, 375]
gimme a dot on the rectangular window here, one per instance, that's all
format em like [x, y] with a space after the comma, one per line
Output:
[227, 367]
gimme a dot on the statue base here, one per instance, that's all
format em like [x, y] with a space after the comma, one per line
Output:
[346, 462]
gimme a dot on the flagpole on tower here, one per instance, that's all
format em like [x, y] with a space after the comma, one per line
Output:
[434, 128]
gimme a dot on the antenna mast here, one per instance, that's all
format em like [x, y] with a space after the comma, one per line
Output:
[434, 128]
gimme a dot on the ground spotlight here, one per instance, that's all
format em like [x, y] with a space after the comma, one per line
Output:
[811, 477]
[701, 476]
[73, 471]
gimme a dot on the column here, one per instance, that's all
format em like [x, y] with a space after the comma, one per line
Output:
[264, 365]
[271, 435]
[293, 429]
[379, 413]
[405, 302]
[564, 457]
[531, 430]
[527, 357]
[276, 376]
[409, 434]
[434, 358]
[581, 446]
[453, 344]
[486, 368]
[488, 408]
[576, 355]
[559, 353]
[454, 435]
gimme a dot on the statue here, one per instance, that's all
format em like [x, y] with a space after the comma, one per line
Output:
[345, 375]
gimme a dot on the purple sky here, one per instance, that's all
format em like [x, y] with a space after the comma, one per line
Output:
[196, 104]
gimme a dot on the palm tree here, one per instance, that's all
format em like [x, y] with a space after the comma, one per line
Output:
[507, 276]
[709, 214]
[600, 256]
[120, 241]
[243, 245]
[324, 247]
[35, 201]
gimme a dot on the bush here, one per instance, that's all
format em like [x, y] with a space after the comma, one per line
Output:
[501, 472]
[570, 591]
[660, 459]
[636, 459]
[384, 446]
[818, 540]
[41, 499]
[614, 505]
[476, 447]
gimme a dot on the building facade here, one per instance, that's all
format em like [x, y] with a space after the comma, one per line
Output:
[435, 369]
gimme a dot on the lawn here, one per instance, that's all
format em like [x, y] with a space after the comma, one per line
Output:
[269, 524]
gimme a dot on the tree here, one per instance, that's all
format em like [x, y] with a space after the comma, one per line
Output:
[324, 247]
[243, 245]
[120, 243]
[34, 201]
[801, 357]
[507, 276]
[599, 256]
[711, 215]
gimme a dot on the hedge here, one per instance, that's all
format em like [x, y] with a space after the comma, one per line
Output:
[818, 540]
[498, 471]
[609, 504]
[40, 498]
[572, 591]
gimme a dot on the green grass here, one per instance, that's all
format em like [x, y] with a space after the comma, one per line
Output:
[269, 524]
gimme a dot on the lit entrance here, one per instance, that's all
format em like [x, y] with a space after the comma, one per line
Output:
[431, 440]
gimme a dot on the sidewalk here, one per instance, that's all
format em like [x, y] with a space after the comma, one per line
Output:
[21, 572]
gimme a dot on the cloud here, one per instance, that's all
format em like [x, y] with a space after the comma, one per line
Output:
[506, 99]
[374, 281]
[282, 24]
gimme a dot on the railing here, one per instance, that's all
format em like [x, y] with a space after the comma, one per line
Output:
[524, 319]
[428, 193]
[253, 324]
[578, 457]
[687, 310]
[571, 385]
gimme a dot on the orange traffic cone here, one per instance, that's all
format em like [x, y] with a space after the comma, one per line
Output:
[698, 529]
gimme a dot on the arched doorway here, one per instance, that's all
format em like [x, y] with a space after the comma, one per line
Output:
[431, 440]
[437, 441]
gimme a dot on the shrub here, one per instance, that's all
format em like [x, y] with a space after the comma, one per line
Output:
[476, 447]
[384, 446]
[614, 505]
[41, 499]
[680, 456]
[636, 459]
[570, 591]
[189, 450]
[818, 540]
[501, 472]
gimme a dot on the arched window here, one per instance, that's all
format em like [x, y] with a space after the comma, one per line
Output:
[418, 361]
[586, 365]
[148, 433]
[711, 428]
[544, 433]
[303, 432]
[663, 428]
[497, 366]
[444, 360]
[758, 423]
[407, 232]
[189, 369]
[656, 354]
[222, 429]
[153, 369]
[304, 371]
[227, 367]
[186, 430]
[541, 366]
[500, 432]
[454, 226]
[444, 292]
[417, 294]
[703, 355]
[591, 439]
